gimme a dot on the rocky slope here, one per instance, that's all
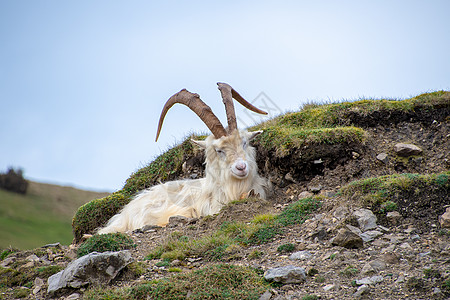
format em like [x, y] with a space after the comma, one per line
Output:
[374, 234]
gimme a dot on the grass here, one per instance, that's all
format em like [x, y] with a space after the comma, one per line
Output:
[314, 124]
[226, 242]
[106, 242]
[41, 216]
[378, 191]
[220, 281]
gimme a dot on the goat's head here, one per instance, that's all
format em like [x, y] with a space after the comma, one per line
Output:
[225, 148]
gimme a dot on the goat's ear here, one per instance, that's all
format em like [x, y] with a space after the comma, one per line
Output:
[201, 144]
[253, 134]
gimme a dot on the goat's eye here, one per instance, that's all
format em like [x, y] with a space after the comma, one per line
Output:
[220, 152]
[244, 144]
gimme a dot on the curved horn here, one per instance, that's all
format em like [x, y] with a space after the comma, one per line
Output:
[228, 93]
[194, 102]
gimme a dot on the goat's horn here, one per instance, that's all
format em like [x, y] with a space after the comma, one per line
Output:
[228, 93]
[194, 102]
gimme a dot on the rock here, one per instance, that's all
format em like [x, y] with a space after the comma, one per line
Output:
[383, 157]
[305, 194]
[394, 217]
[315, 188]
[175, 221]
[370, 235]
[407, 149]
[52, 245]
[94, 268]
[390, 258]
[38, 284]
[366, 219]
[329, 287]
[444, 219]
[363, 289]
[8, 261]
[370, 280]
[354, 229]
[266, 296]
[300, 255]
[346, 238]
[287, 274]
[32, 258]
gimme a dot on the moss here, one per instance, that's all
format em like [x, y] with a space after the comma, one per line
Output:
[106, 242]
[377, 190]
[96, 213]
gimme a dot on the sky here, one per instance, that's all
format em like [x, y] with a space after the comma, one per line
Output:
[82, 83]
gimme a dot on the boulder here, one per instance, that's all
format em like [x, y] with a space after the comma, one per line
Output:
[366, 219]
[444, 219]
[93, 268]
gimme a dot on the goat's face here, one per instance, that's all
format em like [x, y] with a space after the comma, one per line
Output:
[231, 153]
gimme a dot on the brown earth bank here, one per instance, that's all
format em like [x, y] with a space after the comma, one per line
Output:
[408, 257]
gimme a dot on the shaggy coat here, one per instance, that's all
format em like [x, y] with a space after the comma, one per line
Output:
[231, 173]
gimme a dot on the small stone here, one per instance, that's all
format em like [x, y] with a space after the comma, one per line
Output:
[383, 157]
[363, 289]
[406, 246]
[266, 296]
[288, 274]
[370, 235]
[394, 217]
[366, 219]
[346, 238]
[305, 194]
[33, 258]
[175, 221]
[38, 284]
[8, 261]
[354, 229]
[73, 296]
[329, 287]
[444, 219]
[370, 280]
[390, 258]
[407, 149]
[315, 189]
[300, 255]
[52, 245]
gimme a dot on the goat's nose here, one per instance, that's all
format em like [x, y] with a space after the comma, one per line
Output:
[241, 166]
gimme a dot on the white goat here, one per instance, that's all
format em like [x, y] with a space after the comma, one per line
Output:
[231, 171]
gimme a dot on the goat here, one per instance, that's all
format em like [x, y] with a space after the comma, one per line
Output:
[231, 170]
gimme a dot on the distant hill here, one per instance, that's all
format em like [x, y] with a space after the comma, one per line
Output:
[42, 216]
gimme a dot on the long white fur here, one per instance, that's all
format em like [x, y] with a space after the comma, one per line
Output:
[227, 161]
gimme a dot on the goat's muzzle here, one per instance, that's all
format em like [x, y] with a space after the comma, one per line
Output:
[240, 169]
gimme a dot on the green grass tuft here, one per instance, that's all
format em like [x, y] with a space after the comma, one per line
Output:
[105, 242]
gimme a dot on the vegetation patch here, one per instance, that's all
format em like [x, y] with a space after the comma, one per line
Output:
[399, 191]
[105, 242]
[96, 213]
[220, 281]
[225, 243]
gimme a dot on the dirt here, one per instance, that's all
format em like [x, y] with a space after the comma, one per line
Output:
[412, 254]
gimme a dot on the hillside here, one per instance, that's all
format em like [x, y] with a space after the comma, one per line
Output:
[353, 212]
[40, 217]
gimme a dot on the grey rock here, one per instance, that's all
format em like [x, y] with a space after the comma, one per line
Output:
[366, 219]
[383, 157]
[390, 258]
[407, 149]
[266, 296]
[315, 188]
[370, 280]
[300, 255]
[394, 217]
[363, 289]
[94, 268]
[305, 194]
[7, 261]
[346, 238]
[329, 287]
[444, 219]
[52, 245]
[370, 235]
[175, 221]
[287, 274]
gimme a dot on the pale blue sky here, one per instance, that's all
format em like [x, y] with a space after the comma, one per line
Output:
[82, 83]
